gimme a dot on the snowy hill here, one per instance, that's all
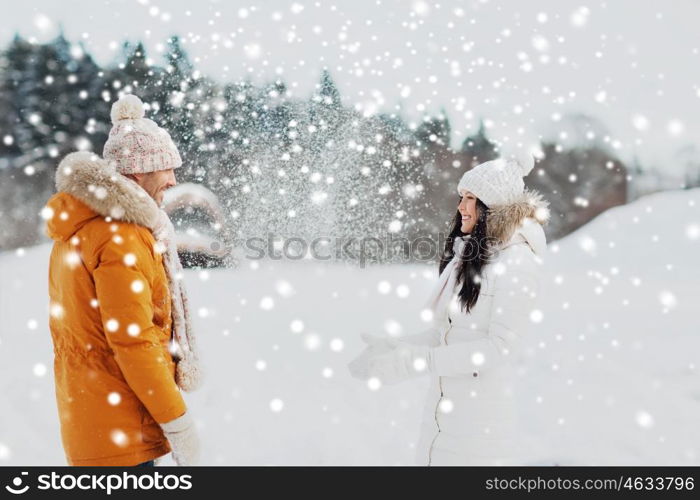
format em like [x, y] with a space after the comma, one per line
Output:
[611, 375]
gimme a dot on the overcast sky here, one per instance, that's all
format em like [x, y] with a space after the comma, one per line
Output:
[633, 64]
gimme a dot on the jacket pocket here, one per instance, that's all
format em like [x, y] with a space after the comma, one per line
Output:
[150, 430]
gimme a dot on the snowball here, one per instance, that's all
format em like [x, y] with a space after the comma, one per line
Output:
[374, 384]
[116, 212]
[72, 259]
[675, 127]
[114, 398]
[421, 8]
[395, 226]
[337, 345]
[252, 50]
[540, 43]
[426, 315]
[56, 310]
[640, 122]
[276, 405]
[318, 197]
[119, 437]
[47, 213]
[39, 369]
[312, 341]
[392, 327]
[420, 364]
[579, 17]
[692, 231]
[284, 288]
[587, 244]
[536, 316]
[384, 287]
[667, 299]
[100, 192]
[446, 406]
[644, 419]
[297, 326]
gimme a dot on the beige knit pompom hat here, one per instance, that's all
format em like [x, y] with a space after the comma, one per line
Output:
[136, 145]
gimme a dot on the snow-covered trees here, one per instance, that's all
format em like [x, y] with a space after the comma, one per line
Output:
[281, 165]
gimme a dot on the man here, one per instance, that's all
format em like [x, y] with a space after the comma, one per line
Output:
[118, 311]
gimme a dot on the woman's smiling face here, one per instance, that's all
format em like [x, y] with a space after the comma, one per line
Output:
[469, 212]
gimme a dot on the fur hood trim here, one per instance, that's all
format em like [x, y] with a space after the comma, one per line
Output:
[96, 182]
[522, 220]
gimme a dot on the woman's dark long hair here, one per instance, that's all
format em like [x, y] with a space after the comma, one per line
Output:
[474, 256]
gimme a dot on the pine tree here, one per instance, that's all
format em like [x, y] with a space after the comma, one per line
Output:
[177, 96]
[478, 148]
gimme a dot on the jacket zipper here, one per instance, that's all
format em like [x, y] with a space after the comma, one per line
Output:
[437, 406]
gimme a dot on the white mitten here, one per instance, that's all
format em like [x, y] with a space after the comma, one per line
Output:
[391, 360]
[359, 367]
[183, 439]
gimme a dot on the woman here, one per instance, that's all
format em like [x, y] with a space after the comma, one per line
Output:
[484, 299]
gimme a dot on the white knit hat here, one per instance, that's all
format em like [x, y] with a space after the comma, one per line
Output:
[497, 182]
[136, 145]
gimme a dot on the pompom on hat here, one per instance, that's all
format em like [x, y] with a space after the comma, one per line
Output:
[136, 145]
[498, 182]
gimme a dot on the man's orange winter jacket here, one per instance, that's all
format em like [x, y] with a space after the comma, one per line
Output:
[110, 319]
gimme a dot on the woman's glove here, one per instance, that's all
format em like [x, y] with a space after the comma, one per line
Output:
[183, 439]
[359, 367]
[390, 360]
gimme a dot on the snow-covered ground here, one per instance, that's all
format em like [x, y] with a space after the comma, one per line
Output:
[611, 375]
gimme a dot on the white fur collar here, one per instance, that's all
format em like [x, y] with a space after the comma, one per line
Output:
[523, 218]
[95, 182]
